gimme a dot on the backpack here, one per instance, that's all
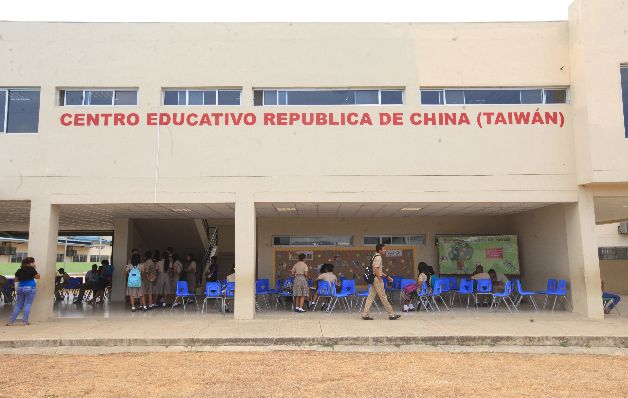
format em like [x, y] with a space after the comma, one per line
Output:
[369, 275]
[409, 289]
[135, 277]
[151, 275]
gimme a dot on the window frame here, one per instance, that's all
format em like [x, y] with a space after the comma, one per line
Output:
[379, 95]
[7, 90]
[621, 96]
[443, 97]
[84, 90]
[187, 95]
[391, 236]
[291, 237]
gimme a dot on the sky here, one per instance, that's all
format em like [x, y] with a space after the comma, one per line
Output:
[285, 10]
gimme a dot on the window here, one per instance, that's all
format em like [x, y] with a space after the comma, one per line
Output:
[624, 96]
[493, 96]
[327, 97]
[317, 240]
[202, 97]
[17, 258]
[60, 257]
[95, 258]
[612, 253]
[19, 110]
[99, 97]
[401, 240]
[79, 258]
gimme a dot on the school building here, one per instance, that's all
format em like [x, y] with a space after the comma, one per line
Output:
[320, 138]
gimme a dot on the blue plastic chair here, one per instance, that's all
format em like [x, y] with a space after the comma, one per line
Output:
[560, 292]
[286, 291]
[483, 287]
[212, 292]
[395, 286]
[262, 288]
[437, 291]
[423, 298]
[551, 287]
[522, 293]
[362, 295]
[347, 290]
[229, 295]
[465, 289]
[505, 295]
[181, 293]
[325, 290]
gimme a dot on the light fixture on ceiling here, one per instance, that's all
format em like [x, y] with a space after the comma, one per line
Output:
[286, 209]
[180, 209]
[411, 208]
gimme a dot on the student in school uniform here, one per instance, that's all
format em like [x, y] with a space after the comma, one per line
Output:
[135, 292]
[163, 278]
[300, 287]
[149, 278]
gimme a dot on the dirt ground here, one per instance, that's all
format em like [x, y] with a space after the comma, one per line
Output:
[314, 374]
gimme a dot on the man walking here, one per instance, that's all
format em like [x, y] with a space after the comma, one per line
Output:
[377, 288]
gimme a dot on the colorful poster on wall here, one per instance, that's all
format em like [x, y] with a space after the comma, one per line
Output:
[348, 262]
[461, 254]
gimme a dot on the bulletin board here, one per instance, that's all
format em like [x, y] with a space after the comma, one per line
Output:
[461, 254]
[349, 262]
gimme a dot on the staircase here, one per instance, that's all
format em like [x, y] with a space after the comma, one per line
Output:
[211, 232]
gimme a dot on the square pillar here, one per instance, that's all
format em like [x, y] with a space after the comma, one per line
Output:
[584, 264]
[245, 259]
[43, 233]
[122, 245]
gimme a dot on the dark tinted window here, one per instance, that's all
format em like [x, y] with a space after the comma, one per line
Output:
[392, 97]
[454, 96]
[270, 97]
[209, 97]
[171, 97]
[371, 240]
[23, 112]
[491, 97]
[365, 97]
[100, 97]
[195, 98]
[125, 97]
[555, 96]
[3, 102]
[532, 96]
[74, 97]
[431, 97]
[335, 97]
[258, 97]
[228, 97]
[624, 96]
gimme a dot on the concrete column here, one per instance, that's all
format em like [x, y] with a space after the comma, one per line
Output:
[245, 258]
[122, 245]
[584, 265]
[43, 233]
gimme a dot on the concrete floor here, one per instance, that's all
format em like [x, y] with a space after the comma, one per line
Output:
[115, 322]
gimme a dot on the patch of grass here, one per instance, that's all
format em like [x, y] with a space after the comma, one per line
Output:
[71, 268]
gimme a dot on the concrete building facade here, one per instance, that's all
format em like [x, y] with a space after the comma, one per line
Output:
[229, 123]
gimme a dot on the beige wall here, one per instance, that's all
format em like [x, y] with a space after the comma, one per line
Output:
[615, 275]
[428, 163]
[542, 245]
[598, 45]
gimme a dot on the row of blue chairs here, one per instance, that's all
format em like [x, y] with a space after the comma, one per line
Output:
[484, 287]
[219, 292]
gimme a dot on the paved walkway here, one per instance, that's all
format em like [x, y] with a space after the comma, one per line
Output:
[117, 327]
